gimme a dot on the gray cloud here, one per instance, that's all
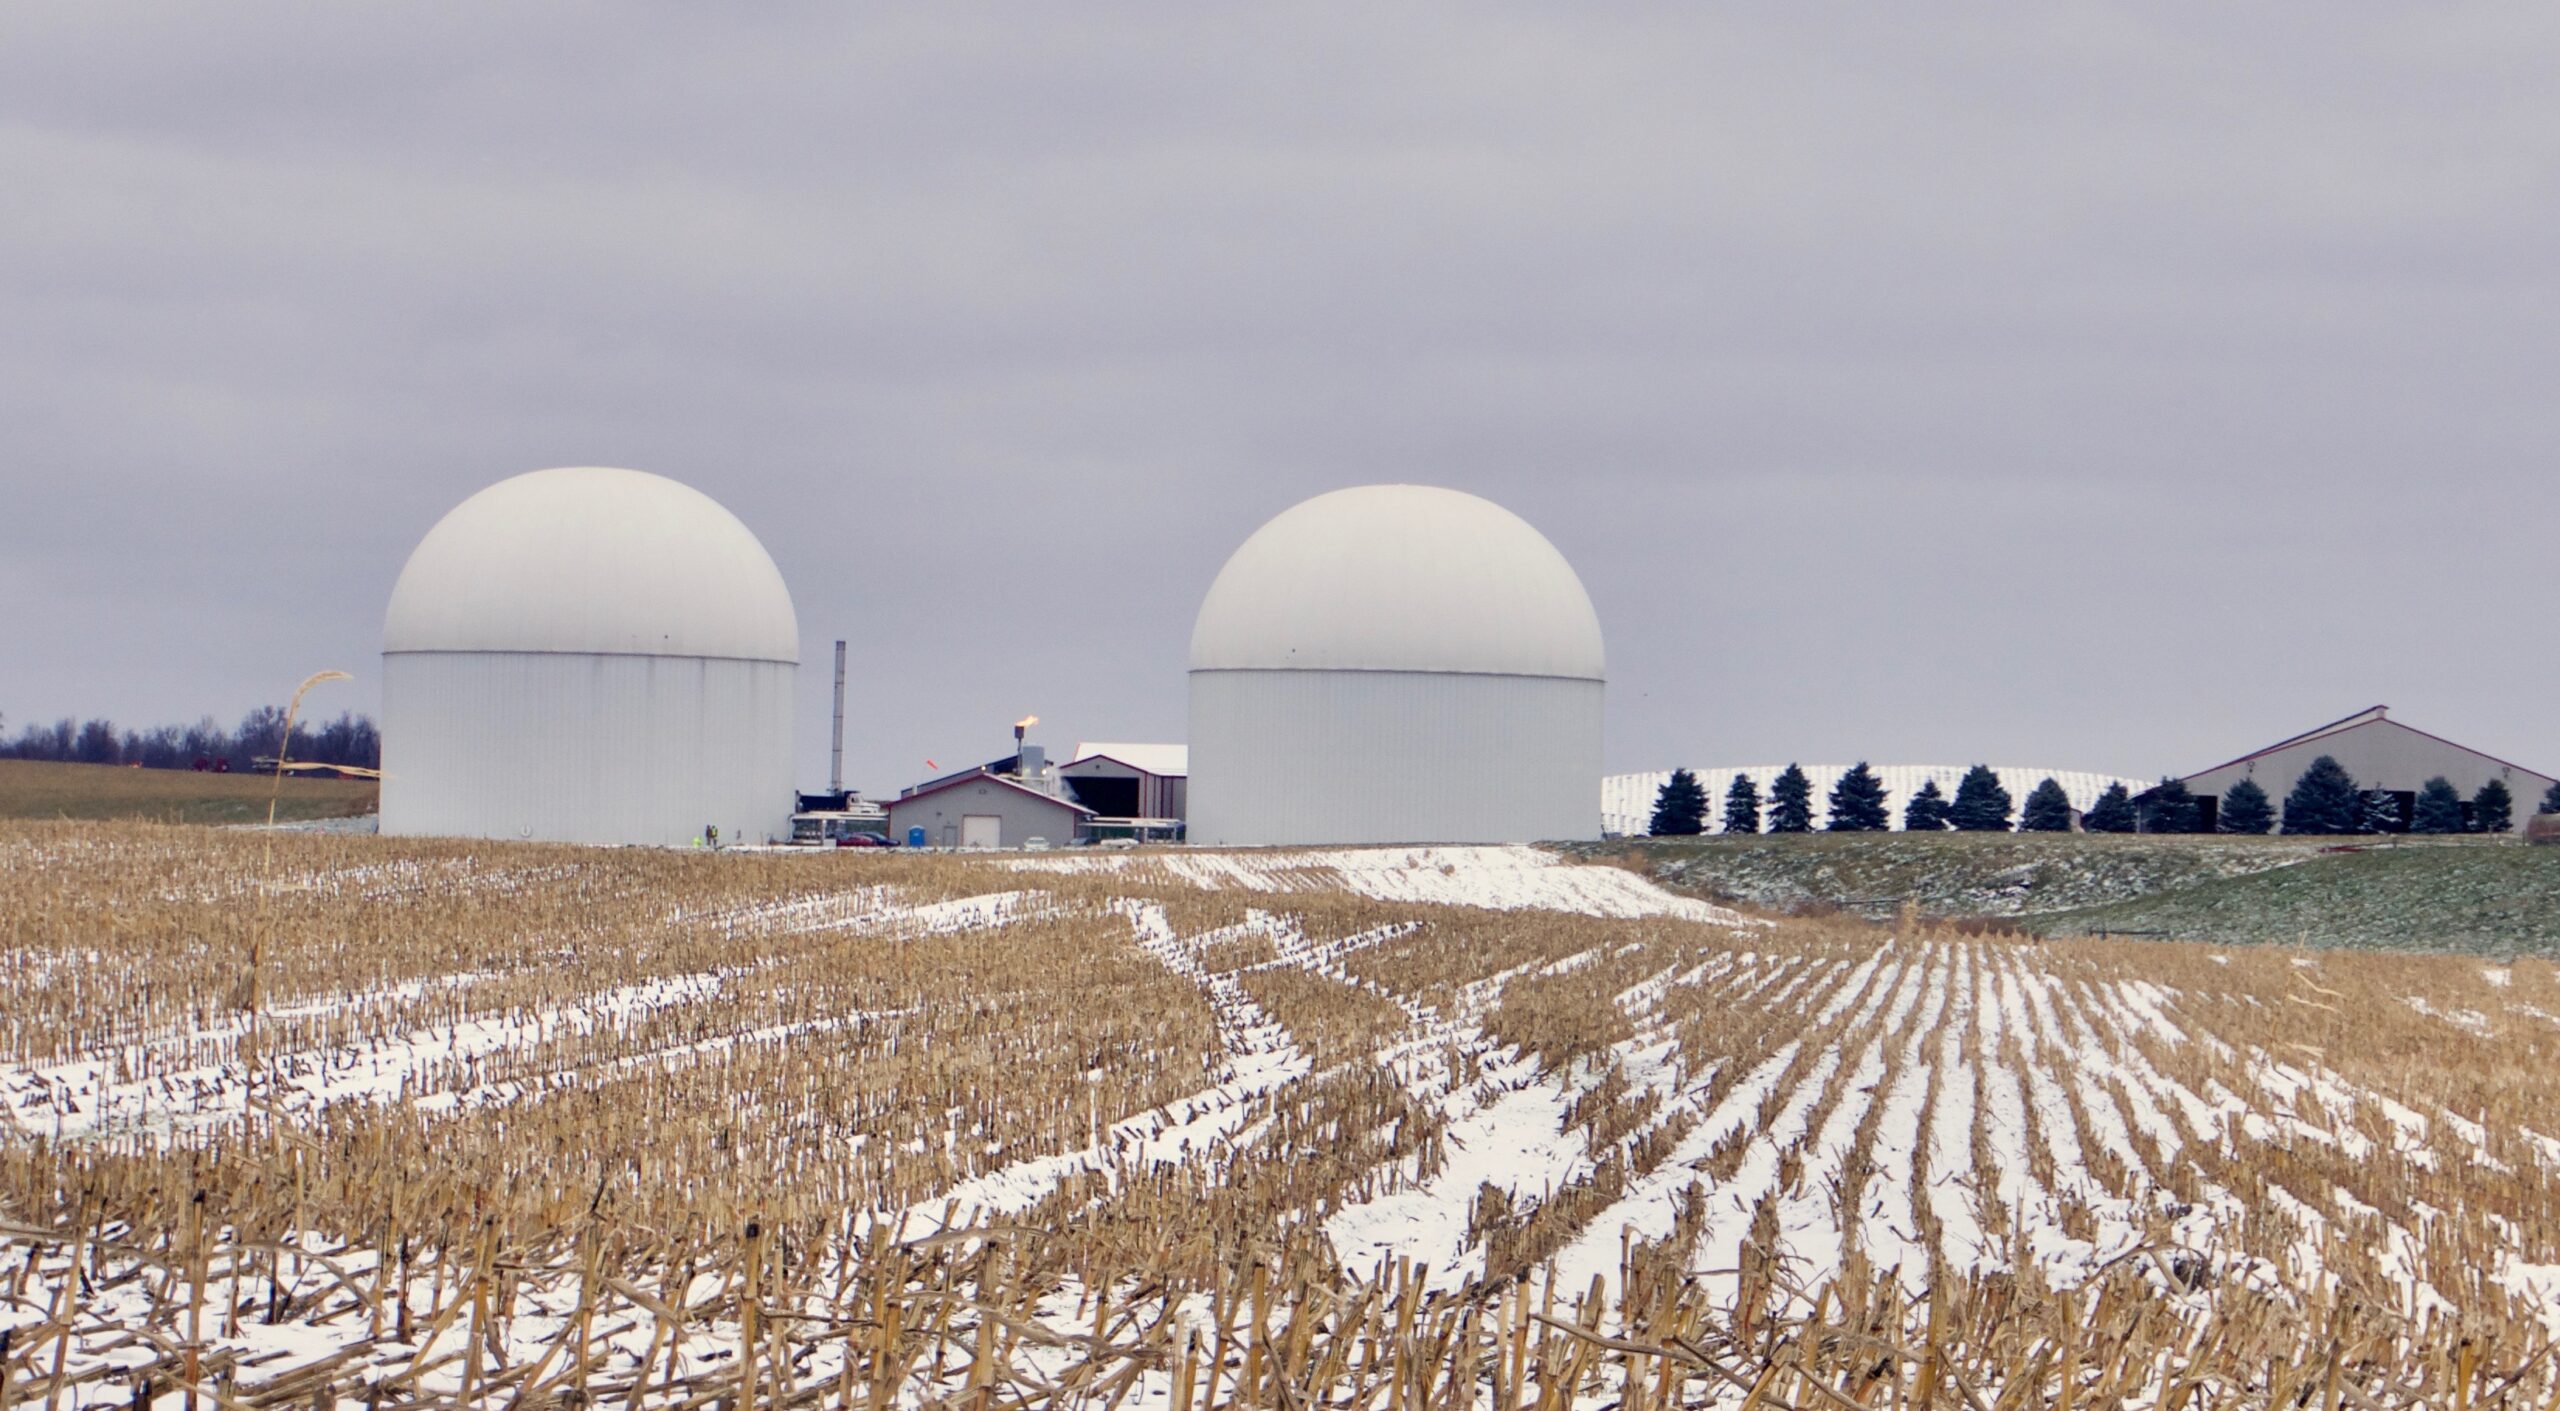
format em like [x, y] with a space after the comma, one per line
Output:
[2112, 388]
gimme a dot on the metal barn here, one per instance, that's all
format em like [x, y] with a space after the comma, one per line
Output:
[982, 810]
[2383, 754]
[1129, 781]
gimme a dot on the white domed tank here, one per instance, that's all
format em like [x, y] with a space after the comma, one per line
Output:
[1395, 664]
[589, 655]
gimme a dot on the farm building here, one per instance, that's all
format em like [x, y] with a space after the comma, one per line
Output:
[588, 655]
[1626, 800]
[1129, 782]
[2383, 755]
[981, 809]
[1395, 664]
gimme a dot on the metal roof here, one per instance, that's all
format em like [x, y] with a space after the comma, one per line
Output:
[1162, 761]
[2366, 716]
[2370, 715]
[1399, 578]
[982, 777]
[590, 560]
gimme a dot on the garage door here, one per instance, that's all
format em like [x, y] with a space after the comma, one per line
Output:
[981, 830]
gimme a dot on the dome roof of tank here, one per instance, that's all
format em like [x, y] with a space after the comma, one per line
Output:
[597, 561]
[1399, 578]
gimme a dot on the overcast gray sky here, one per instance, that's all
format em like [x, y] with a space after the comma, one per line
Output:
[2109, 388]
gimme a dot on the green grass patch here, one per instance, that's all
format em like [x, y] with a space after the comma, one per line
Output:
[2488, 895]
[2494, 898]
[37, 789]
[1951, 874]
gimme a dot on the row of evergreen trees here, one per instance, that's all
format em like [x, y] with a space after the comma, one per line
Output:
[1858, 803]
[2326, 800]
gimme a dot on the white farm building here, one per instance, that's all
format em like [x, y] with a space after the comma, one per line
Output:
[1136, 782]
[1395, 664]
[1626, 800]
[589, 655]
[2383, 755]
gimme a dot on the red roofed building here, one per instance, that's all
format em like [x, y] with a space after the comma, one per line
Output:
[984, 810]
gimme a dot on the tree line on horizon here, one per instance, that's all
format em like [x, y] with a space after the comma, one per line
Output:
[350, 739]
[2325, 801]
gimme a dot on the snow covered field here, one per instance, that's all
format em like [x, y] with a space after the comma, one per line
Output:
[1381, 1127]
[1497, 878]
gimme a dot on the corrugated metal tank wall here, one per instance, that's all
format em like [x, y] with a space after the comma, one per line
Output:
[585, 748]
[1392, 757]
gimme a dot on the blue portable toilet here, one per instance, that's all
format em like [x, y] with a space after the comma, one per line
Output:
[915, 836]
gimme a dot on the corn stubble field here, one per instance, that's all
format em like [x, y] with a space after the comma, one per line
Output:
[316, 1121]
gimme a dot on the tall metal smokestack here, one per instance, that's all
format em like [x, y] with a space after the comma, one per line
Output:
[835, 763]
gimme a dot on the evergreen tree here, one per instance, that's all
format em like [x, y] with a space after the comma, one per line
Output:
[2048, 809]
[2324, 800]
[1791, 802]
[1858, 803]
[2246, 809]
[1981, 805]
[2168, 807]
[1680, 809]
[1927, 811]
[2493, 809]
[1742, 806]
[2113, 812]
[2381, 812]
[2439, 808]
[2550, 800]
